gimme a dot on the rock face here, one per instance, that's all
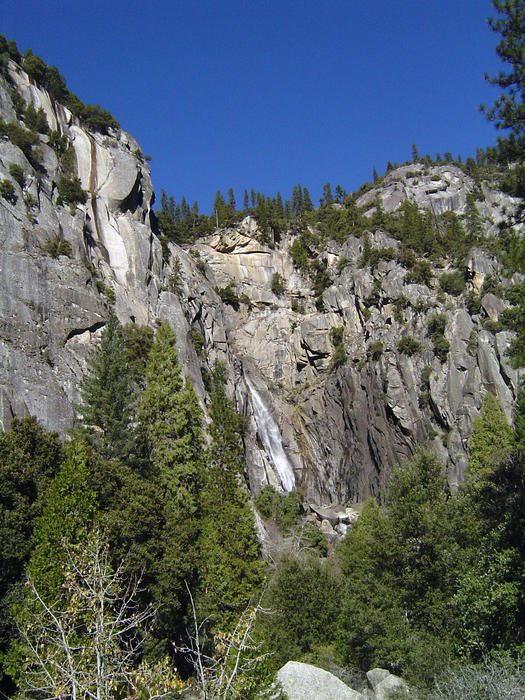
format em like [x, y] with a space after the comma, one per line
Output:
[342, 429]
[305, 682]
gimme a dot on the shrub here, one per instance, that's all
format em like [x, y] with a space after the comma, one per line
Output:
[376, 350]
[228, 295]
[17, 174]
[473, 303]
[283, 508]
[408, 345]
[197, 340]
[24, 139]
[421, 273]
[278, 286]
[452, 282]
[7, 191]
[56, 246]
[436, 331]
[71, 192]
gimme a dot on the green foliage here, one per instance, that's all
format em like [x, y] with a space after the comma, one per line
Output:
[29, 458]
[69, 512]
[473, 303]
[421, 273]
[304, 595]
[452, 282]
[170, 421]
[68, 161]
[7, 191]
[497, 676]
[278, 286]
[436, 330]
[228, 295]
[376, 350]
[230, 570]
[514, 319]
[337, 338]
[492, 438]
[17, 174]
[25, 140]
[283, 508]
[408, 345]
[56, 246]
[36, 120]
[71, 192]
[107, 405]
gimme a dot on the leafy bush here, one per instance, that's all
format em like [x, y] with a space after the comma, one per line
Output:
[7, 191]
[278, 286]
[498, 676]
[228, 295]
[24, 139]
[17, 174]
[339, 356]
[283, 508]
[56, 246]
[408, 345]
[376, 350]
[421, 273]
[473, 303]
[36, 120]
[436, 331]
[452, 282]
[71, 192]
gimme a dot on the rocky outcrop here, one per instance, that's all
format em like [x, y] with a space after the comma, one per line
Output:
[306, 682]
[343, 427]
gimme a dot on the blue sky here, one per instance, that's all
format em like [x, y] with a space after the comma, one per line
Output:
[271, 93]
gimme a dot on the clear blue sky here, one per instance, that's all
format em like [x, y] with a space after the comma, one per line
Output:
[270, 93]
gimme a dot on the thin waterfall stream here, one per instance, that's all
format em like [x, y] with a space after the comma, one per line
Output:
[270, 436]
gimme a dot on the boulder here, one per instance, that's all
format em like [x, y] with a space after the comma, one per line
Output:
[306, 682]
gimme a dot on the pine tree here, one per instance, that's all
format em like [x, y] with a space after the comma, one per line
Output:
[327, 197]
[415, 153]
[171, 420]
[492, 439]
[230, 570]
[246, 201]
[107, 405]
[307, 201]
[231, 198]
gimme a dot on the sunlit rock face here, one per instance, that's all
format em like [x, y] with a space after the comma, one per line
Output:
[341, 428]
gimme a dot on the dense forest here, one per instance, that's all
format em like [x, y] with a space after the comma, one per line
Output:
[131, 564]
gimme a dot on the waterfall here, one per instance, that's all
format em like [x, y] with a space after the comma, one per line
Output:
[270, 436]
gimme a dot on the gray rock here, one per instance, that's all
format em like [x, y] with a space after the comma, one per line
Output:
[305, 682]
[376, 675]
[391, 684]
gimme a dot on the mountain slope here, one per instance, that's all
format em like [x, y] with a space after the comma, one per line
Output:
[326, 354]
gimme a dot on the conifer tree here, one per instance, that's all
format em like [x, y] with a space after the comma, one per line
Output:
[492, 439]
[246, 200]
[230, 570]
[171, 420]
[107, 398]
[307, 200]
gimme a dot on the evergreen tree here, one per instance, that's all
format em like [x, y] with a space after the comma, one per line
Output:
[29, 459]
[415, 153]
[246, 201]
[231, 198]
[171, 420]
[492, 439]
[307, 200]
[107, 397]
[327, 197]
[230, 570]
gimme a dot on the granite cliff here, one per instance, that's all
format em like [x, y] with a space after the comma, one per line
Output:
[343, 424]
